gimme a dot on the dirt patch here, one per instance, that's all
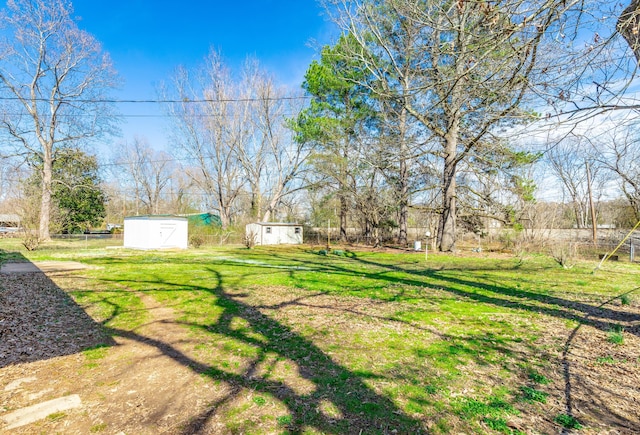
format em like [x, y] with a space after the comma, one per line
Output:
[135, 387]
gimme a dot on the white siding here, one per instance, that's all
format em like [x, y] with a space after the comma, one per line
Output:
[268, 233]
[155, 232]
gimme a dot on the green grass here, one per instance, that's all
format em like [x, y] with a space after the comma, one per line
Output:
[260, 401]
[532, 395]
[538, 378]
[568, 421]
[96, 352]
[56, 416]
[284, 420]
[326, 342]
[602, 360]
[616, 335]
[98, 427]
[500, 425]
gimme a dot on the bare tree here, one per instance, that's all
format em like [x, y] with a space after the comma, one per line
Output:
[281, 158]
[619, 152]
[236, 139]
[211, 125]
[147, 171]
[53, 78]
[568, 161]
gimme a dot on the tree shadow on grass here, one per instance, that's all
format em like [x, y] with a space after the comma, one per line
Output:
[601, 316]
[39, 321]
[360, 409]
[337, 384]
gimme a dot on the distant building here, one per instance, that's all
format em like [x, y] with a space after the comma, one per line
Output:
[9, 223]
[275, 233]
[156, 232]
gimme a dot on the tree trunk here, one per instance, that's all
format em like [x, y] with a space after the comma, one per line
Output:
[343, 218]
[271, 207]
[225, 220]
[629, 27]
[223, 208]
[447, 227]
[344, 172]
[577, 209]
[403, 182]
[45, 204]
[256, 204]
[404, 202]
[267, 215]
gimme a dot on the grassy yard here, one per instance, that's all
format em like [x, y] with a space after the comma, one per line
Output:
[383, 342]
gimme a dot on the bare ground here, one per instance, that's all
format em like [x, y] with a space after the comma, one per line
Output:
[151, 380]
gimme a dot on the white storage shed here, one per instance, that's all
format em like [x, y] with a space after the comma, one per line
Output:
[275, 233]
[156, 232]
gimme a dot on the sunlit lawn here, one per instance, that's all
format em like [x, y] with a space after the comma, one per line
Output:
[375, 340]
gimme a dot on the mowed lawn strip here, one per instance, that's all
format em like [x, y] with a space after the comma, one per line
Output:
[325, 343]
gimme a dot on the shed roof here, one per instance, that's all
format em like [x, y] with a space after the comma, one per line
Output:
[157, 217]
[278, 224]
[9, 218]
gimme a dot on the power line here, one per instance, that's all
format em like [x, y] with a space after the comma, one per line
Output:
[147, 115]
[162, 101]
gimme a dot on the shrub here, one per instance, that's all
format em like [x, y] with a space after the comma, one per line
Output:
[196, 240]
[564, 255]
[31, 242]
[250, 239]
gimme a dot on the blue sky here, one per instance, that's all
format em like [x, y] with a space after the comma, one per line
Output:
[148, 39]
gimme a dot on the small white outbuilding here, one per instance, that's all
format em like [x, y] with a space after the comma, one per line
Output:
[156, 232]
[275, 233]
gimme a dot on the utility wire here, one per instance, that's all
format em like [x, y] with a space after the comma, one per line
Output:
[159, 115]
[164, 101]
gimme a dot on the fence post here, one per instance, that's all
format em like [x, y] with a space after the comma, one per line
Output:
[632, 252]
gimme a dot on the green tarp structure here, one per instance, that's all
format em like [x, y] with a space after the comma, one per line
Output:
[205, 219]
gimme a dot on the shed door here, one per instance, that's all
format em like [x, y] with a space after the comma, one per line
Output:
[167, 230]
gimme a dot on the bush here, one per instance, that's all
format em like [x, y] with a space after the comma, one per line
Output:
[31, 242]
[565, 255]
[250, 239]
[196, 241]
